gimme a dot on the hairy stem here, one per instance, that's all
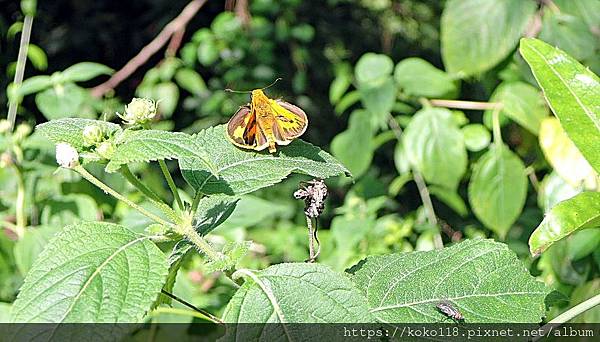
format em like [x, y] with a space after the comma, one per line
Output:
[133, 180]
[191, 234]
[170, 182]
[21, 60]
[197, 197]
[90, 178]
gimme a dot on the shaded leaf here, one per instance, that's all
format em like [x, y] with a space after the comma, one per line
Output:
[28, 248]
[419, 78]
[353, 146]
[565, 218]
[570, 34]
[212, 211]
[522, 103]
[63, 101]
[451, 198]
[477, 137]
[471, 275]
[373, 69]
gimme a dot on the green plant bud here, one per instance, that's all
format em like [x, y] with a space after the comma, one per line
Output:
[92, 135]
[4, 126]
[21, 132]
[106, 149]
[139, 111]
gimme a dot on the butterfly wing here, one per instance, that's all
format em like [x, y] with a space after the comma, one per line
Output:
[290, 121]
[243, 130]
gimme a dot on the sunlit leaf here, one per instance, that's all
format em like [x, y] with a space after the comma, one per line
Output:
[419, 78]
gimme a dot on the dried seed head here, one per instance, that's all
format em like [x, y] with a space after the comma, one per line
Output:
[314, 194]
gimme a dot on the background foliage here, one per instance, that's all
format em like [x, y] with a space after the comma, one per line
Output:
[377, 79]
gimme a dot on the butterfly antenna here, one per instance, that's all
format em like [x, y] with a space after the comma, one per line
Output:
[272, 84]
[237, 91]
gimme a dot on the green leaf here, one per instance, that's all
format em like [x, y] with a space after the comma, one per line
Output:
[5, 312]
[435, 147]
[347, 100]
[212, 211]
[477, 34]
[92, 272]
[419, 78]
[570, 34]
[564, 156]
[191, 81]
[28, 248]
[61, 101]
[589, 11]
[477, 137]
[71, 130]
[242, 171]
[373, 69]
[471, 275]
[523, 103]
[33, 85]
[85, 71]
[451, 198]
[150, 145]
[379, 101]
[553, 190]
[179, 251]
[340, 84]
[37, 56]
[233, 252]
[498, 189]
[583, 293]
[271, 295]
[565, 218]
[572, 91]
[353, 146]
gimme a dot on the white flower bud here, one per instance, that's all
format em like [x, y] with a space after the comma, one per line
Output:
[106, 149]
[66, 155]
[92, 135]
[138, 111]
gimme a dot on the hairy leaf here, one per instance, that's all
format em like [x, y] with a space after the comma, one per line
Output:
[92, 272]
[435, 147]
[572, 91]
[498, 189]
[482, 279]
[242, 171]
[212, 211]
[71, 130]
[477, 34]
[272, 296]
[565, 218]
[149, 145]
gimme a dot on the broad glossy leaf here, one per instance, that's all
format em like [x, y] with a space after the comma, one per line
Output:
[271, 296]
[62, 101]
[522, 103]
[353, 146]
[472, 275]
[564, 156]
[498, 188]
[419, 78]
[31, 245]
[242, 171]
[71, 130]
[92, 272]
[477, 137]
[85, 71]
[477, 34]
[150, 145]
[553, 190]
[572, 91]
[435, 147]
[565, 218]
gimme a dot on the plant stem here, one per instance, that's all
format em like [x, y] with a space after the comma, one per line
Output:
[20, 203]
[496, 126]
[85, 174]
[133, 180]
[207, 315]
[183, 312]
[197, 197]
[170, 182]
[571, 313]
[191, 234]
[472, 105]
[21, 60]
[422, 186]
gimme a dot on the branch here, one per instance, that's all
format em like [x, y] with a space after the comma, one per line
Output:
[149, 50]
[21, 61]
[473, 105]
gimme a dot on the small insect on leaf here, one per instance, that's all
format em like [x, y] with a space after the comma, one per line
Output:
[265, 122]
[450, 311]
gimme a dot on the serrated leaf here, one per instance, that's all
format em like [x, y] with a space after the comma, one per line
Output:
[522, 103]
[71, 130]
[242, 171]
[353, 146]
[92, 272]
[565, 218]
[572, 91]
[271, 296]
[419, 78]
[498, 188]
[85, 71]
[435, 147]
[151, 145]
[564, 157]
[233, 252]
[212, 211]
[471, 275]
[477, 34]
